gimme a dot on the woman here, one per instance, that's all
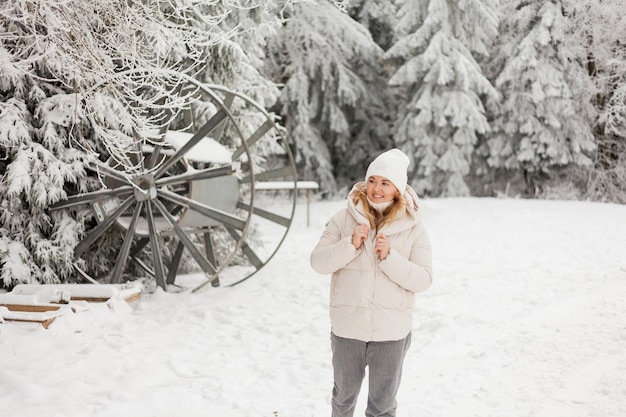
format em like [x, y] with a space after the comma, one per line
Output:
[379, 255]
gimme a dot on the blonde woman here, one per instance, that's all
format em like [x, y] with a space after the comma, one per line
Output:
[379, 255]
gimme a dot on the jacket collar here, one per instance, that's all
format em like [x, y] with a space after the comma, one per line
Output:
[411, 216]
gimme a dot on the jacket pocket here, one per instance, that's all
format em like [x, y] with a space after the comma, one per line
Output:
[388, 294]
[349, 288]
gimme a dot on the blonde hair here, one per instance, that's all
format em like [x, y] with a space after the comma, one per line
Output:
[377, 219]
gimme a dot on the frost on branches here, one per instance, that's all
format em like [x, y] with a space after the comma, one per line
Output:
[444, 115]
[542, 121]
[602, 25]
[329, 65]
[80, 81]
[37, 162]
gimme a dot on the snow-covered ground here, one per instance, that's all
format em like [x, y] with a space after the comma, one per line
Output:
[526, 318]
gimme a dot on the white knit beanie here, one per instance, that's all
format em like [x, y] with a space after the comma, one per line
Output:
[392, 165]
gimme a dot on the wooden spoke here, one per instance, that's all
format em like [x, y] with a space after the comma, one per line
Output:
[199, 135]
[265, 127]
[195, 175]
[128, 164]
[92, 197]
[283, 221]
[173, 269]
[154, 157]
[228, 103]
[125, 249]
[205, 210]
[185, 240]
[102, 227]
[156, 152]
[247, 250]
[268, 175]
[110, 171]
[209, 250]
[141, 243]
[154, 246]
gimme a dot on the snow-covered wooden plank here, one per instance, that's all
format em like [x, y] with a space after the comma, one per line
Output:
[76, 291]
[85, 292]
[23, 299]
[285, 185]
[32, 308]
[45, 318]
[29, 303]
[130, 294]
[42, 295]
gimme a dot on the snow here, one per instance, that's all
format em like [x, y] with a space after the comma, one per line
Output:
[33, 295]
[283, 185]
[206, 150]
[525, 318]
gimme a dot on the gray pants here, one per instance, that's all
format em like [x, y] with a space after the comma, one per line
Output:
[384, 359]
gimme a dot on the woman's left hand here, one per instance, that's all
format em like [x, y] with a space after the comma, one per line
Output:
[382, 246]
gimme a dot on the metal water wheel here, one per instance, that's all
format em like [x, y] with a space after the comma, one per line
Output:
[191, 195]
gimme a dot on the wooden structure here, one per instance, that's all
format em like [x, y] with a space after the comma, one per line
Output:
[307, 186]
[44, 303]
[197, 184]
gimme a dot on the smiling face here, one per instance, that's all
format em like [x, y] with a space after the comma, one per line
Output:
[380, 189]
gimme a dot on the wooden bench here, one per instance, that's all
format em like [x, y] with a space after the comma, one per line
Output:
[44, 303]
[288, 185]
[42, 314]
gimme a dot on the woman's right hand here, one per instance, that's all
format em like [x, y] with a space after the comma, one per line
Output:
[359, 235]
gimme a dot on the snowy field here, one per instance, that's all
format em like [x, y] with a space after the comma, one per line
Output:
[526, 318]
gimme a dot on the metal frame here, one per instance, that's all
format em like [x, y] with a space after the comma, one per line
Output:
[149, 196]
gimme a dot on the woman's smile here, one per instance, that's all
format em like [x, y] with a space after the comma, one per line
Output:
[380, 189]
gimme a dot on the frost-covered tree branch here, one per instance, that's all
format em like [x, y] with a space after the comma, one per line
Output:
[83, 81]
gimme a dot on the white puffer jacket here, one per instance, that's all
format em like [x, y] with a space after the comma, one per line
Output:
[370, 299]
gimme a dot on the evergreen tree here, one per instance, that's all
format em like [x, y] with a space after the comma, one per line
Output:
[331, 102]
[601, 26]
[544, 119]
[444, 115]
[378, 17]
[79, 82]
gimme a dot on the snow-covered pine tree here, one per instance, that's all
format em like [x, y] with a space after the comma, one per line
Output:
[438, 128]
[544, 119]
[333, 98]
[235, 62]
[81, 81]
[601, 26]
[379, 17]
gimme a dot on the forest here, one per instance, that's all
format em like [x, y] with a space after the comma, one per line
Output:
[516, 98]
